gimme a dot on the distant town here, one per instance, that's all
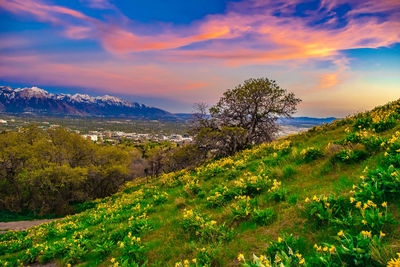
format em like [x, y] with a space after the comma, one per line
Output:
[90, 131]
[116, 130]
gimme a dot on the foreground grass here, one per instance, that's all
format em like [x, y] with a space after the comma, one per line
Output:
[252, 203]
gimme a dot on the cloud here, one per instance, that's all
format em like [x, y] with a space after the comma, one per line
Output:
[284, 38]
[119, 77]
[253, 32]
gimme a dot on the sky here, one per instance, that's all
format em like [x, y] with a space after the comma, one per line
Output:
[340, 57]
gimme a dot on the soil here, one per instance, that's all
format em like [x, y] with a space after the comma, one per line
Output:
[21, 225]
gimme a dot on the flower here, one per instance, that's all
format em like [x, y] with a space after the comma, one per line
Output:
[384, 204]
[279, 240]
[394, 262]
[340, 233]
[381, 234]
[302, 261]
[240, 257]
[366, 233]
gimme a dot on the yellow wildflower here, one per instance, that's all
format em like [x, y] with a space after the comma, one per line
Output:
[366, 233]
[394, 262]
[240, 257]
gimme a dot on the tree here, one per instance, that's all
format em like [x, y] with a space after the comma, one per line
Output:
[245, 115]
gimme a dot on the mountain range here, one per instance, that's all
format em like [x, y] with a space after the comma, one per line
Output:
[35, 100]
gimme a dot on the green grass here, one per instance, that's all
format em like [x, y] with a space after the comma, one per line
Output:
[159, 223]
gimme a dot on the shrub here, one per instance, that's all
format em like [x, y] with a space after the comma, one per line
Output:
[363, 122]
[373, 142]
[264, 217]
[197, 226]
[350, 156]
[311, 153]
[286, 251]
[278, 195]
[243, 208]
[221, 196]
[132, 251]
[384, 125]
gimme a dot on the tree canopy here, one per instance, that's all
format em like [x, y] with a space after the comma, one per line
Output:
[245, 115]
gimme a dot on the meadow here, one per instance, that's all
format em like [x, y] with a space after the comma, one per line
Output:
[325, 197]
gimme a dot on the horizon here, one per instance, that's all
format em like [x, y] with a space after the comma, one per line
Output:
[176, 113]
[339, 57]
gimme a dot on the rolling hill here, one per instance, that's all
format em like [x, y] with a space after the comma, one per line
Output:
[325, 197]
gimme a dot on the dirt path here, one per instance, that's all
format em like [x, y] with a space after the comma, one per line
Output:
[21, 225]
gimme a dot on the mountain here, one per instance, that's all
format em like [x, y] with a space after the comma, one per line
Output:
[38, 101]
[305, 121]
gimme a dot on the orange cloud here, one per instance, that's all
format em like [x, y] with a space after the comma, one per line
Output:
[106, 75]
[284, 38]
[328, 80]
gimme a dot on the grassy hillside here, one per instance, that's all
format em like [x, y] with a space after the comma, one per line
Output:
[326, 197]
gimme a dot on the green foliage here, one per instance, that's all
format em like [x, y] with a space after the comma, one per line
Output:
[288, 171]
[286, 250]
[350, 156]
[311, 153]
[264, 217]
[198, 226]
[243, 208]
[278, 195]
[364, 122]
[207, 216]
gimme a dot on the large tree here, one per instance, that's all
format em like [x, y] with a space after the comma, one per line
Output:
[252, 108]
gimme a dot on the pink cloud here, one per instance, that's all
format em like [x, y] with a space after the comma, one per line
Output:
[291, 38]
[246, 34]
[106, 75]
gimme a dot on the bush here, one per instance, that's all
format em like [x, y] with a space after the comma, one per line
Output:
[363, 122]
[285, 251]
[264, 217]
[384, 125]
[278, 195]
[199, 227]
[311, 153]
[350, 156]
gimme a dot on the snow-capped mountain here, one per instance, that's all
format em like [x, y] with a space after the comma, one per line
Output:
[39, 101]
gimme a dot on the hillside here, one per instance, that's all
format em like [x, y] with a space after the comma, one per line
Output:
[326, 197]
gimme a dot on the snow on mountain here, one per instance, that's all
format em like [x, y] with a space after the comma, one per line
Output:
[37, 100]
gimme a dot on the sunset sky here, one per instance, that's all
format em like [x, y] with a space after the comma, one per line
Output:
[339, 56]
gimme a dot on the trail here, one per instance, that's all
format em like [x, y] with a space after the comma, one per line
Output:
[21, 225]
